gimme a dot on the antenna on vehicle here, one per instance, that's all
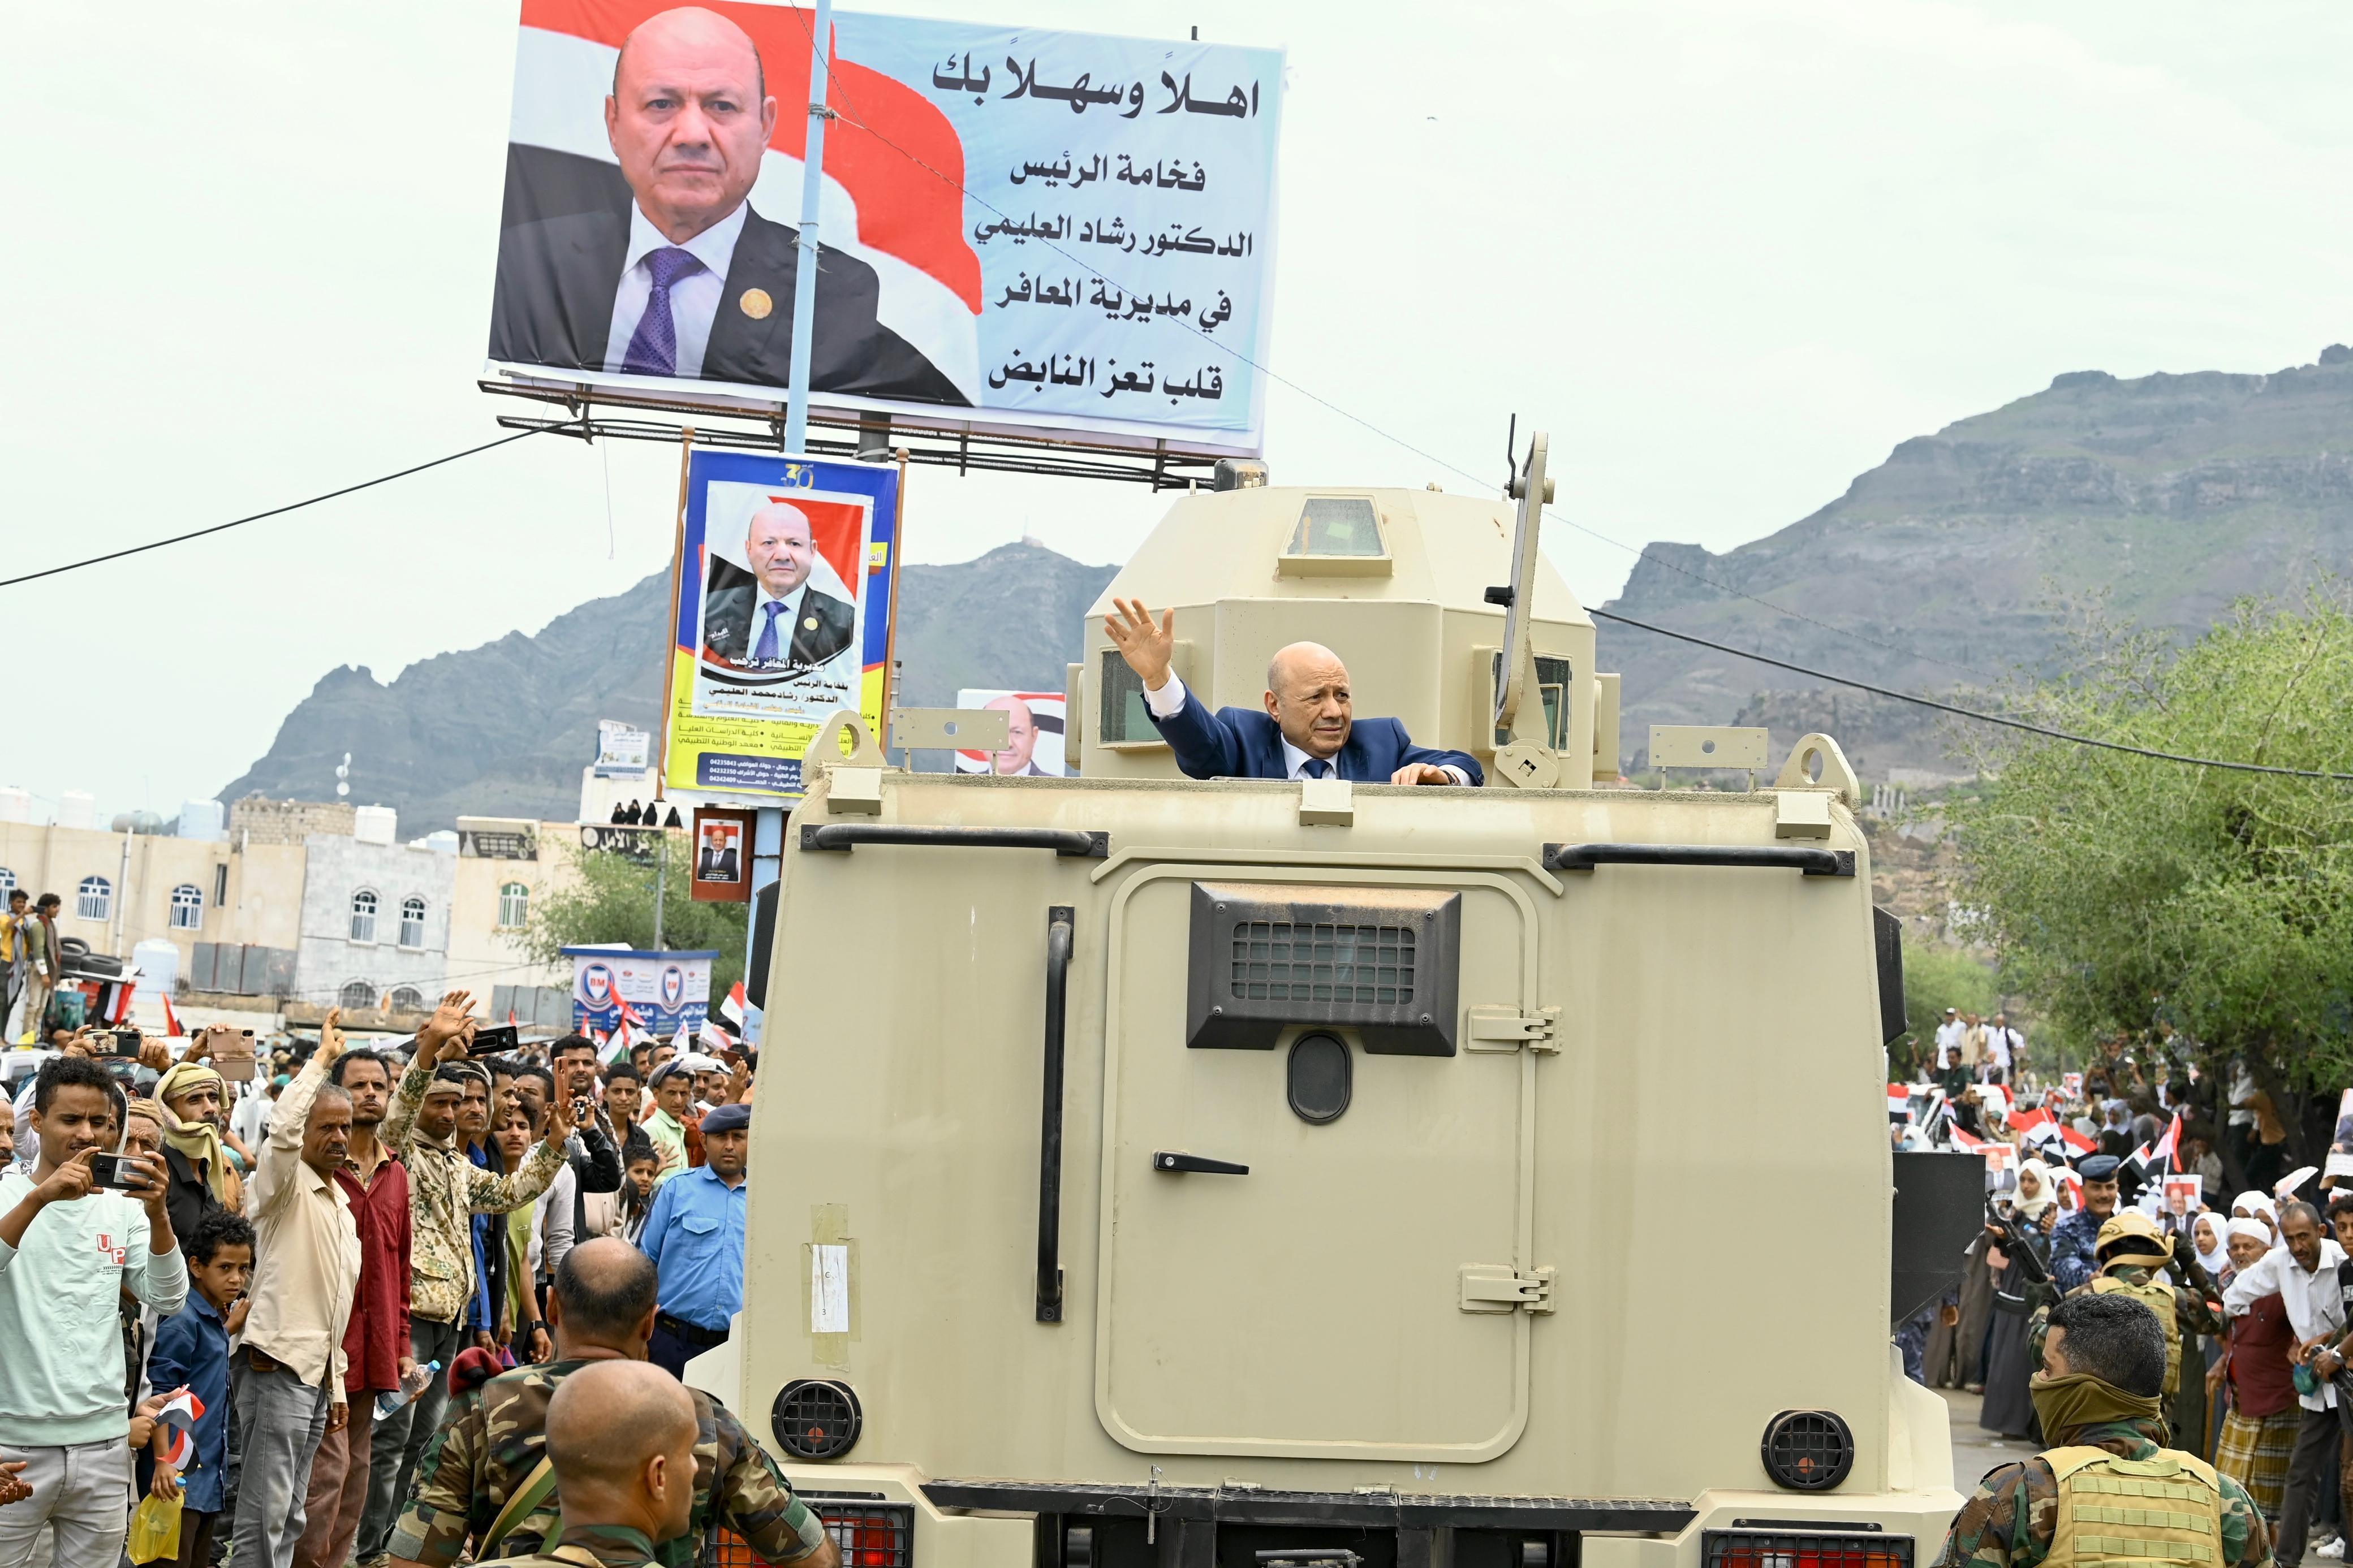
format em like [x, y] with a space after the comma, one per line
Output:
[1528, 759]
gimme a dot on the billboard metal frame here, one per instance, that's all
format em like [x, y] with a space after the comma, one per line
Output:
[872, 438]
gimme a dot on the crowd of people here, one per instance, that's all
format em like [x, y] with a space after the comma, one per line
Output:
[2112, 1184]
[319, 1318]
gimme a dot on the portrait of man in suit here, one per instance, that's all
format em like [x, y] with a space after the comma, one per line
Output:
[778, 621]
[718, 860]
[1018, 757]
[659, 266]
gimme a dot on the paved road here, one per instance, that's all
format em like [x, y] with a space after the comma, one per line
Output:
[1975, 1449]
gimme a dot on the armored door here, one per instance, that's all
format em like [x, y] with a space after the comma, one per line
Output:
[1316, 1184]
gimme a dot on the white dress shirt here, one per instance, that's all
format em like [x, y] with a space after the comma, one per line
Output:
[694, 300]
[2313, 1302]
[1164, 701]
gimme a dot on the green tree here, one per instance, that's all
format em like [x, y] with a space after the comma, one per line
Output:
[2129, 895]
[1936, 978]
[612, 900]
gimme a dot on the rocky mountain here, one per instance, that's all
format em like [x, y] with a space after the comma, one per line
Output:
[1945, 566]
[503, 730]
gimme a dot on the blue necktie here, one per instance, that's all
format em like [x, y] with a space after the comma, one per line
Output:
[765, 650]
[653, 347]
[1316, 768]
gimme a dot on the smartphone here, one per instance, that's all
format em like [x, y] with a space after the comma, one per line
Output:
[121, 1172]
[498, 1040]
[233, 1055]
[125, 1042]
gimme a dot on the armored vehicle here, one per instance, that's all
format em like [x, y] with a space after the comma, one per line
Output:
[1153, 1173]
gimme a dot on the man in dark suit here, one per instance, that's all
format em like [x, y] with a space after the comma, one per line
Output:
[777, 621]
[660, 266]
[717, 862]
[1308, 730]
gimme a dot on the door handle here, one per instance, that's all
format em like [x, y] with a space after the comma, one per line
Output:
[1061, 921]
[1172, 1160]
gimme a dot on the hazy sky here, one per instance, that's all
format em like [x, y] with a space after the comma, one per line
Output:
[1729, 251]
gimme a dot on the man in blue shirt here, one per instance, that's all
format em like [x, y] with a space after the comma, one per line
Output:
[2074, 1246]
[695, 1237]
[192, 1350]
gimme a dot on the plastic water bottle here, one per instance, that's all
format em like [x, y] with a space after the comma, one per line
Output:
[414, 1383]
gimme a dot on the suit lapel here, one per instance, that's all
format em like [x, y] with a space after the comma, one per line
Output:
[588, 277]
[763, 260]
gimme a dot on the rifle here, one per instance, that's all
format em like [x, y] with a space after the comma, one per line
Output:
[2015, 1245]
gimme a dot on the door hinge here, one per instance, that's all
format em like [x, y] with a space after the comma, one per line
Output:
[1499, 1288]
[1500, 1026]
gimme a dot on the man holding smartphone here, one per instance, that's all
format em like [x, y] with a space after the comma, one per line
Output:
[69, 1248]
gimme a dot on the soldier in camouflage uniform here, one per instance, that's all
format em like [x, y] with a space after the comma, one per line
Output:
[491, 1442]
[2132, 1260]
[622, 1439]
[2108, 1489]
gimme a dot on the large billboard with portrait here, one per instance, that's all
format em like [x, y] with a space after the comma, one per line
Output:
[1023, 230]
[783, 615]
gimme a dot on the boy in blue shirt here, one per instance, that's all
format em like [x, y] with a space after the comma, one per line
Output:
[191, 1348]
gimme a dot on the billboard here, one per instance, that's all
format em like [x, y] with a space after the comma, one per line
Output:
[623, 751]
[783, 615]
[1033, 733]
[1026, 230]
[664, 990]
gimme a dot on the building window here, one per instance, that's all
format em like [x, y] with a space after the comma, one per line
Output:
[364, 916]
[514, 904]
[357, 994]
[96, 898]
[405, 999]
[187, 907]
[412, 923]
[220, 884]
[7, 885]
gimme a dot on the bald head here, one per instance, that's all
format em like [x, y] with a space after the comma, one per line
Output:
[603, 1298]
[621, 1436]
[1021, 735]
[780, 547]
[1308, 696]
[689, 118]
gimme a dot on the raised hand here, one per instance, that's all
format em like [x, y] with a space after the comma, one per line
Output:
[454, 1013]
[559, 1122]
[1147, 646]
[331, 1036]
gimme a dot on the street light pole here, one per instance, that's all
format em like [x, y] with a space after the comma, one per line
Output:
[805, 265]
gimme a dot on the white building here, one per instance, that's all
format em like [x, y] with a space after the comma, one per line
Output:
[376, 923]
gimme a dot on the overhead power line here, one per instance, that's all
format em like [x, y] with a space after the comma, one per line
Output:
[1971, 713]
[273, 512]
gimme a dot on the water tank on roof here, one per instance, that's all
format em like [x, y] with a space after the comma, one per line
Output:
[15, 804]
[137, 821]
[77, 808]
[375, 824]
[204, 819]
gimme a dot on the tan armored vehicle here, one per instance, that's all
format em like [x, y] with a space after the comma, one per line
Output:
[1151, 1173]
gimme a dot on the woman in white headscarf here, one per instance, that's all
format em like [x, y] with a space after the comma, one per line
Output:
[2255, 1206]
[2009, 1409]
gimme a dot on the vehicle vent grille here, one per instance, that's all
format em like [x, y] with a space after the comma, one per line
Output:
[1284, 962]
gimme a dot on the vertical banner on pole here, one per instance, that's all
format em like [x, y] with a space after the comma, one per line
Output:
[782, 615]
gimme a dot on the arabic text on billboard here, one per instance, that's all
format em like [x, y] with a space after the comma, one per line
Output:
[1028, 230]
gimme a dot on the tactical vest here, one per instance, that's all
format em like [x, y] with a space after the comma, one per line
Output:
[2114, 1512]
[2156, 1293]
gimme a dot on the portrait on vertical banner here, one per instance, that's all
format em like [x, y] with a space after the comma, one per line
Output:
[782, 615]
[722, 854]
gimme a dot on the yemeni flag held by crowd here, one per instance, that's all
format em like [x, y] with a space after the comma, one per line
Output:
[1962, 1140]
[731, 1009]
[179, 1417]
[2076, 1140]
[171, 1019]
[1899, 1100]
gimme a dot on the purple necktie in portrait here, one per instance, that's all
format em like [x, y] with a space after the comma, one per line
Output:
[765, 650]
[653, 347]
